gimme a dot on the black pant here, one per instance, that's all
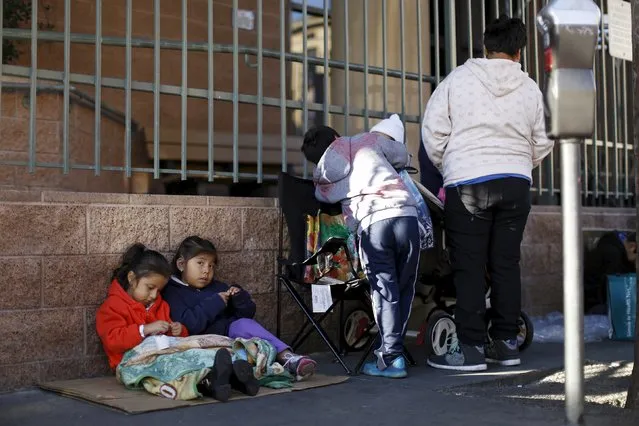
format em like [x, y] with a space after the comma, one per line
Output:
[484, 227]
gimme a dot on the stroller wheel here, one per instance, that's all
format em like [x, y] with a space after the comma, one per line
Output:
[356, 334]
[440, 326]
[526, 331]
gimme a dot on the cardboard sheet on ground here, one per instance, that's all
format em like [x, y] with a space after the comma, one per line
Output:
[106, 391]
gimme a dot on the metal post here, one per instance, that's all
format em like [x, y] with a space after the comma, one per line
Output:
[573, 265]
[451, 36]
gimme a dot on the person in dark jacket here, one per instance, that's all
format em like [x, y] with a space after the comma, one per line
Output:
[614, 253]
[208, 306]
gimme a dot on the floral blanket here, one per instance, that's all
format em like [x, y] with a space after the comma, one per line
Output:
[173, 366]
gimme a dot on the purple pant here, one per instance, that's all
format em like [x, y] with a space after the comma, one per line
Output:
[247, 328]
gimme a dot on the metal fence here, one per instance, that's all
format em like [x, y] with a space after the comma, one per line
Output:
[342, 62]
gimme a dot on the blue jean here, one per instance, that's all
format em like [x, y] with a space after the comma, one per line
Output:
[390, 256]
[247, 328]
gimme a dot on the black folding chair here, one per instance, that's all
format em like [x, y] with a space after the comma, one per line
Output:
[297, 201]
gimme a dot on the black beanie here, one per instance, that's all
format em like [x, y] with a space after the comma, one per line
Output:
[316, 141]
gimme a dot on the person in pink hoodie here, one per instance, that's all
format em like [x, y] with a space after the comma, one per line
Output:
[361, 173]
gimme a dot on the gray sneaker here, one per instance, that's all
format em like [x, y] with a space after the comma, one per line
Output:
[503, 352]
[459, 357]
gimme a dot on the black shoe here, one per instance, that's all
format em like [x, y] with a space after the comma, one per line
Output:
[243, 378]
[459, 356]
[503, 352]
[216, 384]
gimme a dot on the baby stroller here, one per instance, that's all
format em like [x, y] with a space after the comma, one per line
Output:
[431, 320]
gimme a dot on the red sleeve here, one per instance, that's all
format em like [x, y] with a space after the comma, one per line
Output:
[164, 314]
[116, 333]
[185, 332]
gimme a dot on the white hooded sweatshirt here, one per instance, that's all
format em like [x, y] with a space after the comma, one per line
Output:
[485, 119]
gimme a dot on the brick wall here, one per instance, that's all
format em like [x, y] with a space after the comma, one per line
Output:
[83, 19]
[58, 248]
[57, 251]
[14, 134]
[541, 252]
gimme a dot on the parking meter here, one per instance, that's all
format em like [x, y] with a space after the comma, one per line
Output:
[570, 30]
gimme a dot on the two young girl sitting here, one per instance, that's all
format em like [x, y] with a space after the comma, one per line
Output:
[147, 297]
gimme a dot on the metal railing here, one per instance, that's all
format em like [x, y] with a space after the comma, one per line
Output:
[340, 63]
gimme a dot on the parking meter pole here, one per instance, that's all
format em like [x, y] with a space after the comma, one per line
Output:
[573, 265]
[570, 30]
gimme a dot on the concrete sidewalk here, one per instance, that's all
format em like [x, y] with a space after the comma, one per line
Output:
[427, 397]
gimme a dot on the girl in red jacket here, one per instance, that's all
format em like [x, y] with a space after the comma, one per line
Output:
[134, 308]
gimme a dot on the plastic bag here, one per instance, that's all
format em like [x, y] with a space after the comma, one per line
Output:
[426, 236]
[550, 329]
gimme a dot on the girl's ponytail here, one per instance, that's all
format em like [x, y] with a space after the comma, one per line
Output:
[141, 261]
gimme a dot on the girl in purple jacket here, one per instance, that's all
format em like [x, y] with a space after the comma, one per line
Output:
[208, 306]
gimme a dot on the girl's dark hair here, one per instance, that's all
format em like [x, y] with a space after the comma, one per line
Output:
[316, 141]
[189, 248]
[142, 262]
[505, 35]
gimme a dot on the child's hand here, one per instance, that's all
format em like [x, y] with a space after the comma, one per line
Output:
[176, 328]
[225, 297]
[233, 291]
[155, 328]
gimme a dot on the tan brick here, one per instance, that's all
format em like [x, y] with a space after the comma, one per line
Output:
[113, 229]
[543, 228]
[23, 276]
[84, 124]
[292, 316]
[253, 270]
[9, 104]
[96, 366]
[68, 197]
[167, 200]
[75, 368]
[556, 259]
[223, 226]
[587, 220]
[41, 335]
[266, 310]
[544, 293]
[48, 106]
[37, 230]
[76, 280]
[82, 147]
[75, 180]
[108, 182]
[8, 173]
[15, 135]
[242, 202]
[535, 259]
[618, 221]
[18, 376]
[93, 342]
[260, 229]
[11, 195]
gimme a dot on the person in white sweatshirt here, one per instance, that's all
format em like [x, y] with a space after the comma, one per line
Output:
[484, 129]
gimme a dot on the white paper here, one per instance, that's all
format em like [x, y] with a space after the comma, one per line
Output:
[162, 342]
[322, 299]
[620, 29]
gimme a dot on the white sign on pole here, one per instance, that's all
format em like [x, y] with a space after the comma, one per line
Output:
[620, 29]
